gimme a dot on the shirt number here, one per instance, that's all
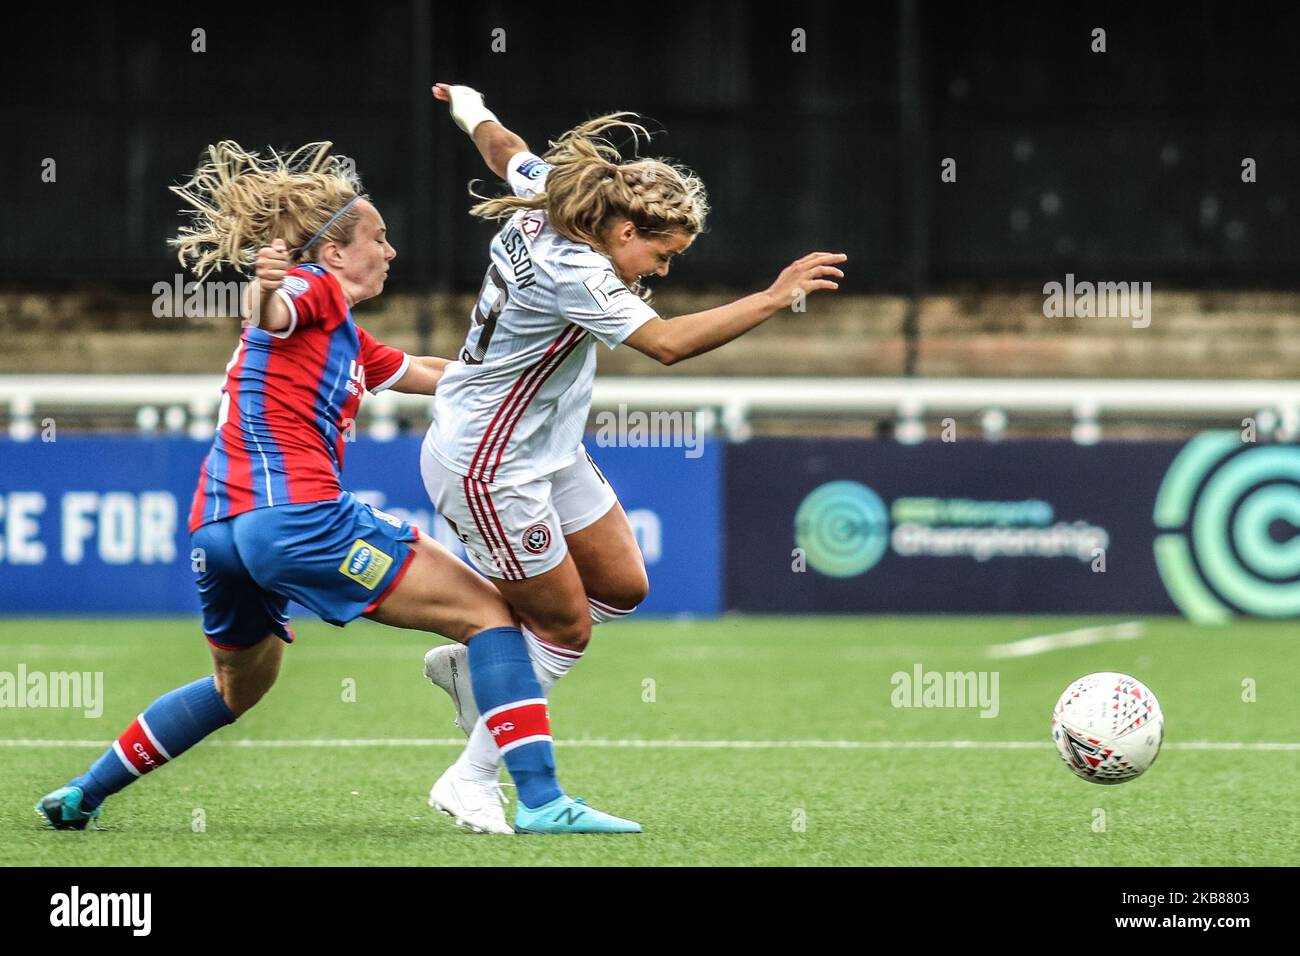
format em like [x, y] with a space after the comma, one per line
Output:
[492, 297]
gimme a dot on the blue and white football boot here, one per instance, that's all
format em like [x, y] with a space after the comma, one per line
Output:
[567, 814]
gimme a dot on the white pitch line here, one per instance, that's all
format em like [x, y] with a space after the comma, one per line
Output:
[678, 744]
[1128, 631]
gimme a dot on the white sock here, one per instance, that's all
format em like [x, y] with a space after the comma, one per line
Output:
[600, 613]
[552, 659]
[480, 761]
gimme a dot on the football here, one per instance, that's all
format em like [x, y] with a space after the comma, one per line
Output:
[1108, 727]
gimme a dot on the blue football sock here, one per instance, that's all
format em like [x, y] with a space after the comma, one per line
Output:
[511, 701]
[171, 725]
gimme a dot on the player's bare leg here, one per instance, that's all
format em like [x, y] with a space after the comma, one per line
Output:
[244, 676]
[610, 565]
[553, 605]
[439, 593]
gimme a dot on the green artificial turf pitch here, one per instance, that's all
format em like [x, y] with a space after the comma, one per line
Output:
[813, 764]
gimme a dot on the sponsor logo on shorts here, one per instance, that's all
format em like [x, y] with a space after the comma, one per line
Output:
[537, 539]
[366, 564]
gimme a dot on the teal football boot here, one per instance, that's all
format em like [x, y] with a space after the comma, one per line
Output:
[62, 809]
[567, 814]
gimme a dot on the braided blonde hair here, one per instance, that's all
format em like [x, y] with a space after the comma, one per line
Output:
[592, 186]
[242, 202]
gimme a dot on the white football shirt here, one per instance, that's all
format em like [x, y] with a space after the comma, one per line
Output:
[515, 404]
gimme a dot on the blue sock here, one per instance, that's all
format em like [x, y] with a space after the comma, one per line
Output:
[171, 725]
[511, 701]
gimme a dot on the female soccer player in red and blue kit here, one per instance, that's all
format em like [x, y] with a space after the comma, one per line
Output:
[270, 522]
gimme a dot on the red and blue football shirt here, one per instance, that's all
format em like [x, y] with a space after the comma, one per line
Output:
[288, 402]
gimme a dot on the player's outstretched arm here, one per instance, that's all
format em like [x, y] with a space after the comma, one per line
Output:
[422, 375]
[672, 340]
[263, 309]
[495, 143]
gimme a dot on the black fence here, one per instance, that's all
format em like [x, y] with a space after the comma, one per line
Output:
[1125, 164]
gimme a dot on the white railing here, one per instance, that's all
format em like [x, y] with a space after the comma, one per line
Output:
[188, 403]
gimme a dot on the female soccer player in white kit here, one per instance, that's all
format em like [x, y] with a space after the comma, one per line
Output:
[503, 461]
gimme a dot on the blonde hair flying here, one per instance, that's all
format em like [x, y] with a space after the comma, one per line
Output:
[592, 186]
[242, 201]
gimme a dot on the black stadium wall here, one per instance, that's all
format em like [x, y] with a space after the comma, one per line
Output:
[815, 125]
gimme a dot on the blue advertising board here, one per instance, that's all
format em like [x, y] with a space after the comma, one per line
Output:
[1206, 528]
[97, 525]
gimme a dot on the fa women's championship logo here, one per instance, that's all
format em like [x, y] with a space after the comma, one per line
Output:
[843, 528]
[1227, 515]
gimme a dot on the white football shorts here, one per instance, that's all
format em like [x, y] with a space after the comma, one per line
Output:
[514, 532]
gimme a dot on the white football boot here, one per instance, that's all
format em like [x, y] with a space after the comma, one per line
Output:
[475, 806]
[448, 667]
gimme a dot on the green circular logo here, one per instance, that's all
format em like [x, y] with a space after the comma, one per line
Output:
[843, 529]
[1229, 515]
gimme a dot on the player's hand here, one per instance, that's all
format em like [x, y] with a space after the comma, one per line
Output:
[815, 271]
[466, 104]
[272, 263]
